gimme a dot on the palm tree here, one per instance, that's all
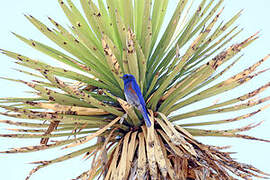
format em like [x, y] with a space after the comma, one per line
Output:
[175, 69]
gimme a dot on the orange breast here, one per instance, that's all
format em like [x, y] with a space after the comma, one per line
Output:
[131, 89]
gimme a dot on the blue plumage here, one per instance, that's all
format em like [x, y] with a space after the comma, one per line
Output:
[134, 96]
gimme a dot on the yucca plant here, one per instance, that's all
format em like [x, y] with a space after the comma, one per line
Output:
[175, 69]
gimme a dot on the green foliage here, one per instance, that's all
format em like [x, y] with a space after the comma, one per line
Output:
[120, 37]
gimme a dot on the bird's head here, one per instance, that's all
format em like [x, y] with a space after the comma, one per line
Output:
[127, 78]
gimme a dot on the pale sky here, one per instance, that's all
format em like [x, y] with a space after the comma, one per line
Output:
[14, 167]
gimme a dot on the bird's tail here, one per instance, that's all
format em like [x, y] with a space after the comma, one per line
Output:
[146, 117]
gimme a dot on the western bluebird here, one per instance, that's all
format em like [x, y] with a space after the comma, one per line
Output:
[134, 96]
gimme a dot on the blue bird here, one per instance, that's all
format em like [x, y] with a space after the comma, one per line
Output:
[134, 96]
